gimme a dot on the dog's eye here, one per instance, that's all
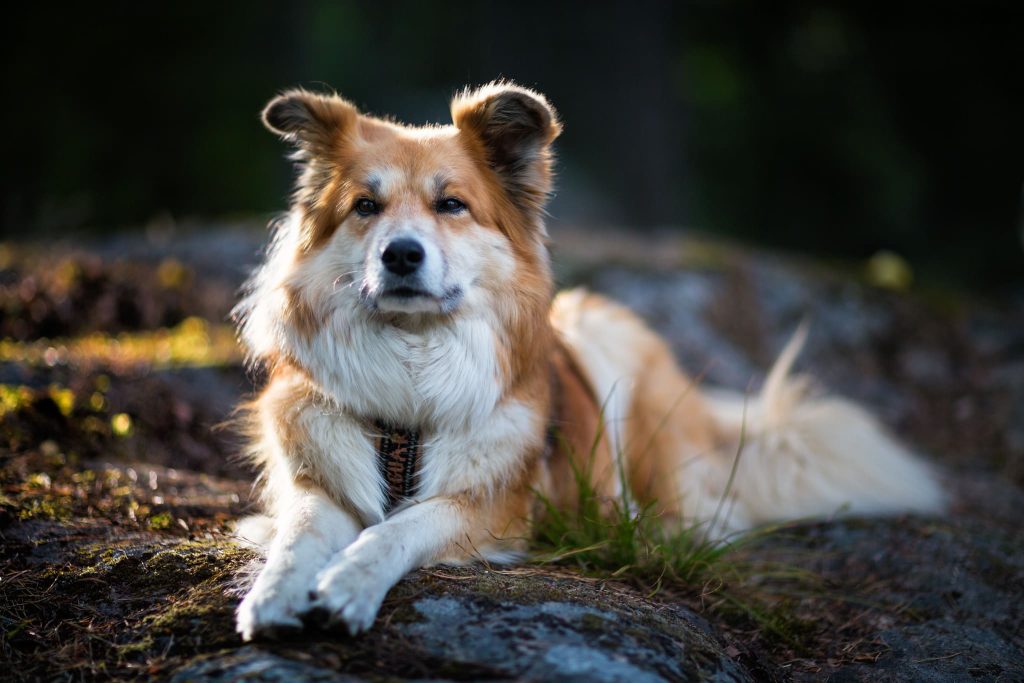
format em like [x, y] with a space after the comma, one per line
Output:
[450, 205]
[367, 207]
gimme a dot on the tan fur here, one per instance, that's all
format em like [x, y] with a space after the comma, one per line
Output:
[484, 368]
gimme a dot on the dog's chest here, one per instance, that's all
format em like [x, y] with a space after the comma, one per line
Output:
[441, 378]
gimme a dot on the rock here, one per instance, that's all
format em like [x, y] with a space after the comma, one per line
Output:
[943, 653]
[945, 593]
[475, 623]
[116, 560]
[251, 663]
[570, 641]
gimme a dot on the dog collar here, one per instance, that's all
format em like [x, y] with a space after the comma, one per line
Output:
[398, 457]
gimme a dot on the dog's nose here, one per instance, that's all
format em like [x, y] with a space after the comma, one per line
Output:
[403, 256]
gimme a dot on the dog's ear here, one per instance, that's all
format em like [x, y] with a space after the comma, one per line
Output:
[512, 128]
[309, 120]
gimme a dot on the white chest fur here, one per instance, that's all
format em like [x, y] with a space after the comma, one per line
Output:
[444, 382]
[443, 378]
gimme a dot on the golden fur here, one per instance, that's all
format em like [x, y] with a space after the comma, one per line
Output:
[481, 360]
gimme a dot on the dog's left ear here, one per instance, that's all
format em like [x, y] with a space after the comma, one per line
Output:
[512, 128]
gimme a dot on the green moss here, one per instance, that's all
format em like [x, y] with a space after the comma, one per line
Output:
[170, 567]
[160, 521]
[192, 343]
[14, 398]
[51, 507]
[63, 397]
[200, 619]
[518, 589]
[183, 588]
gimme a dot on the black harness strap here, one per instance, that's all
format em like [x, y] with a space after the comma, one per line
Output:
[398, 457]
[399, 450]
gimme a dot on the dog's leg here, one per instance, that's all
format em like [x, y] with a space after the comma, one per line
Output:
[309, 532]
[352, 587]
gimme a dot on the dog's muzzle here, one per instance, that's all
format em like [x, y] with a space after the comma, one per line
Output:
[403, 281]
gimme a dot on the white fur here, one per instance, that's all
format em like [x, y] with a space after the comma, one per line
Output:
[352, 587]
[799, 457]
[340, 458]
[436, 362]
[310, 528]
[442, 376]
[309, 531]
[482, 456]
[807, 456]
[611, 372]
[435, 375]
[795, 455]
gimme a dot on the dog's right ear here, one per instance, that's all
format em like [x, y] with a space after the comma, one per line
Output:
[311, 121]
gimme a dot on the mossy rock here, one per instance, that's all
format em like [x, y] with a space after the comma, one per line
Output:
[451, 625]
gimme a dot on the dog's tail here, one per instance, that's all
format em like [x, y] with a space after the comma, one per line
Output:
[724, 461]
[796, 455]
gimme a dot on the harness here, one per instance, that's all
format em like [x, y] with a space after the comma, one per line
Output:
[398, 457]
[399, 450]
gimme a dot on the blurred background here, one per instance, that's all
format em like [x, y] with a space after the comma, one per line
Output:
[704, 144]
[839, 129]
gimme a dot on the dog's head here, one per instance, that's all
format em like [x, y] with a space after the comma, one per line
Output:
[421, 222]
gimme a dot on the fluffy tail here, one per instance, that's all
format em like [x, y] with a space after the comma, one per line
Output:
[806, 456]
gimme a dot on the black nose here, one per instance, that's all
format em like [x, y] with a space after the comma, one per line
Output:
[403, 256]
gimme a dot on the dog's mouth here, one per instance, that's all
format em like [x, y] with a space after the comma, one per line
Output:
[414, 300]
[406, 293]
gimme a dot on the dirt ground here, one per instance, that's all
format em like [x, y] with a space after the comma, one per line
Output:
[119, 482]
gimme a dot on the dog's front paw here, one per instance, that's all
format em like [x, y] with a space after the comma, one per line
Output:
[271, 610]
[350, 594]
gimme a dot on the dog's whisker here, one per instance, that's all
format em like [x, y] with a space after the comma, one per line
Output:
[349, 277]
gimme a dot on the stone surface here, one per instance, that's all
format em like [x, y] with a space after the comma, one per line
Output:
[254, 664]
[564, 641]
[115, 560]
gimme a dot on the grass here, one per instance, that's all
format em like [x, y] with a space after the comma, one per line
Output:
[618, 539]
[622, 540]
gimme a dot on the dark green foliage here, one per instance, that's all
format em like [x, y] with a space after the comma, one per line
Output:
[837, 129]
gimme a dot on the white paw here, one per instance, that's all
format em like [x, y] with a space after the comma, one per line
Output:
[350, 594]
[272, 607]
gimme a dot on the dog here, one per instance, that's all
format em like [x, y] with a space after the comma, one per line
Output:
[424, 383]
